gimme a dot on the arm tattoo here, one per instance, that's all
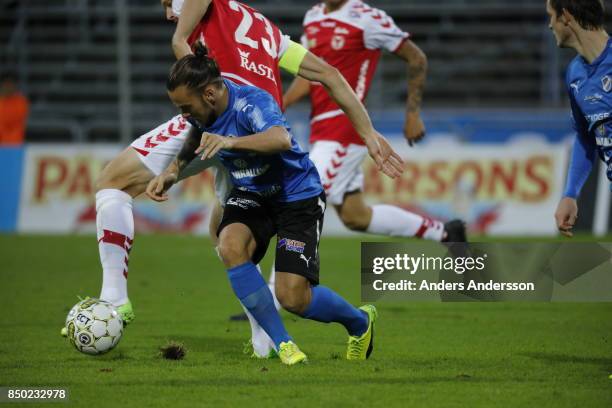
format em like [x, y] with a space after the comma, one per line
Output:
[187, 153]
[417, 73]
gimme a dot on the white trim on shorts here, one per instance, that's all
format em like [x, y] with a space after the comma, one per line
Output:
[339, 167]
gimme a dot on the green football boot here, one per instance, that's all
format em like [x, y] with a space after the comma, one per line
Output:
[290, 353]
[360, 348]
[126, 311]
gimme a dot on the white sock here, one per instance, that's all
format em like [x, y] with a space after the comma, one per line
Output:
[271, 281]
[395, 222]
[262, 343]
[115, 226]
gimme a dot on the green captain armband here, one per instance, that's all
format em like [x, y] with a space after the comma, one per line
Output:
[292, 58]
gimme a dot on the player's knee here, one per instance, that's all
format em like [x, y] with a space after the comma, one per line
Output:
[232, 251]
[102, 182]
[108, 179]
[294, 299]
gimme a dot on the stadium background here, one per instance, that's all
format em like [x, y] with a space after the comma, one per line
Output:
[495, 108]
[496, 112]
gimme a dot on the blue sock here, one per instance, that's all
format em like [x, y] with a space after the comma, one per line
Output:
[327, 306]
[250, 287]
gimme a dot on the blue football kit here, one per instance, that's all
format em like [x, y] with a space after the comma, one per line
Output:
[590, 92]
[288, 176]
[276, 194]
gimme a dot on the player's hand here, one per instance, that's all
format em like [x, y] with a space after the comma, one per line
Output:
[566, 215]
[386, 159]
[414, 128]
[157, 189]
[210, 144]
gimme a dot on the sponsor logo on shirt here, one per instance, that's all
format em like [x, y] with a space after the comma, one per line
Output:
[341, 31]
[291, 245]
[259, 69]
[254, 172]
[593, 98]
[596, 117]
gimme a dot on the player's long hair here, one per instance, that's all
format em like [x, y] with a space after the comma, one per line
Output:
[195, 71]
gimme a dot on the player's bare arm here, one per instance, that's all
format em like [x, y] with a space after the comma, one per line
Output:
[313, 68]
[192, 13]
[274, 140]
[158, 187]
[414, 128]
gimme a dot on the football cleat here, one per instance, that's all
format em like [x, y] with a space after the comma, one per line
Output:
[360, 348]
[455, 231]
[126, 311]
[290, 353]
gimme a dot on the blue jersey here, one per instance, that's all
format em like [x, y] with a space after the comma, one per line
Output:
[287, 176]
[590, 92]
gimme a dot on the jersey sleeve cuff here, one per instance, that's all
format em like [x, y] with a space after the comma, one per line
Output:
[400, 43]
[570, 194]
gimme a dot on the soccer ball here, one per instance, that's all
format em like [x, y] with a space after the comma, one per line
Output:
[94, 326]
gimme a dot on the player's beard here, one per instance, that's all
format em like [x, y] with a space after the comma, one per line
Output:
[212, 118]
[209, 115]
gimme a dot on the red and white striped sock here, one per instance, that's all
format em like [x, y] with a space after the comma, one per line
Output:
[396, 222]
[115, 227]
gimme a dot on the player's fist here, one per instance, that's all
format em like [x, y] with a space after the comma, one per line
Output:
[566, 215]
[414, 128]
[157, 189]
[210, 144]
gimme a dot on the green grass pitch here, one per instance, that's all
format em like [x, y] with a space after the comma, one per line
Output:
[426, 354]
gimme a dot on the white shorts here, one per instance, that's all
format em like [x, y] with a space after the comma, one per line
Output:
[158, 147]
[339, 167]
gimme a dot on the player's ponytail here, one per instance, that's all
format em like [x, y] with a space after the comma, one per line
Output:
[200, 50]
[194, 71]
